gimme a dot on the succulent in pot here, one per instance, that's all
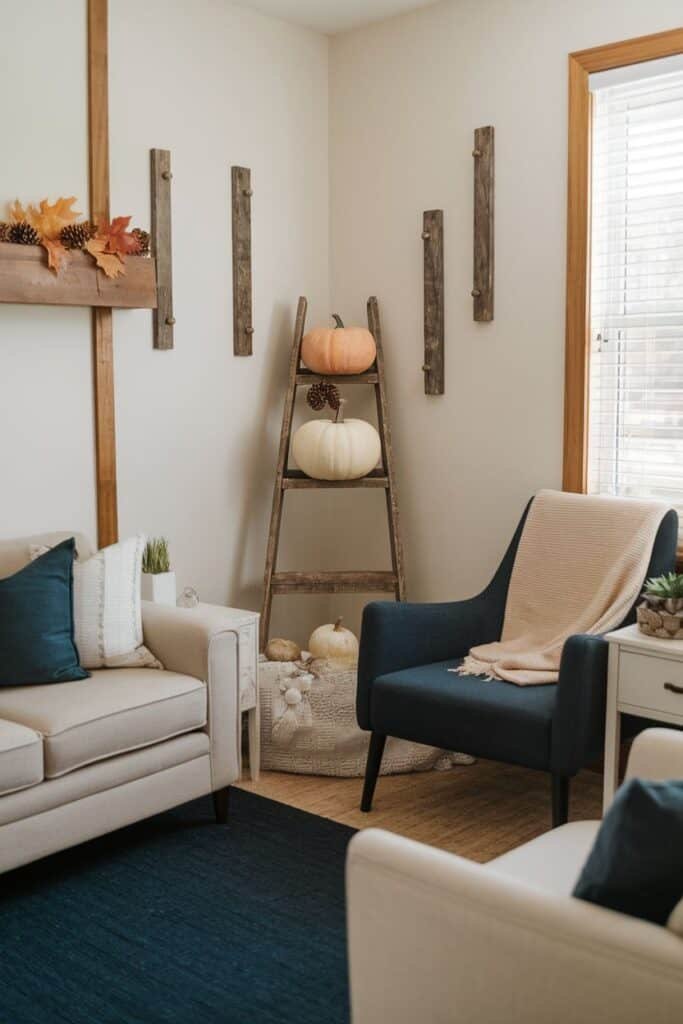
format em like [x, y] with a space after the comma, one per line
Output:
[661, 611]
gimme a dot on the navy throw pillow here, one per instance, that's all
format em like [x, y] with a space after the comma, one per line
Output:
[635, 865]
[36, 621]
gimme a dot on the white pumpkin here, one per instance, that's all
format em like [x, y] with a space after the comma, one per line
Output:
[336, 644]
[336, 449]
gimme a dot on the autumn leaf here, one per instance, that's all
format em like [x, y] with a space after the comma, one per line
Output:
[55, 252]
[50, 218]
[17, 213]
[116, 238]
[111, 263]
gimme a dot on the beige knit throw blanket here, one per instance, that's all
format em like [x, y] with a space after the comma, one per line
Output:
[579, 567]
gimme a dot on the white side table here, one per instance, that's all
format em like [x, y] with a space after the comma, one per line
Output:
[246, 626]
[645, 678]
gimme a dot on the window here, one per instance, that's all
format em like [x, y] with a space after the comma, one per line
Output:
[623, 409]
[635, 396]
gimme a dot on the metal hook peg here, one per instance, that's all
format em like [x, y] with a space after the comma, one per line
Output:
[248, 191]
[475, 293]
[166, 175]
[476, 152]
[248, 330]
[426, 368]
[170, 320]
[426, 235]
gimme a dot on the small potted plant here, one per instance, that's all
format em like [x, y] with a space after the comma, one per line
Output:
[661, 613]
[158, 581]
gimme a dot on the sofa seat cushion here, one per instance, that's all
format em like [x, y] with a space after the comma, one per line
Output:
[429, 704]
[21, 757]
[552, 862]
[114, 711]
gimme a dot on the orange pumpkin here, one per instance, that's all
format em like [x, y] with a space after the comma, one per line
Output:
[338, 349]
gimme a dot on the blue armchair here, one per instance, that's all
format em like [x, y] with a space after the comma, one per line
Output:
[404, 689]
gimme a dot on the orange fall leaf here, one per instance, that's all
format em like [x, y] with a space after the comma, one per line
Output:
[110, 263]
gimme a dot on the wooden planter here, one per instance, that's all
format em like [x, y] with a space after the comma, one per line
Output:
[25, 278]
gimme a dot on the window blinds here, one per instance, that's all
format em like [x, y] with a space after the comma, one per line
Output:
[635, 427]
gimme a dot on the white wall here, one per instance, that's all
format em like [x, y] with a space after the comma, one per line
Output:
[197, 428]
[405, 97]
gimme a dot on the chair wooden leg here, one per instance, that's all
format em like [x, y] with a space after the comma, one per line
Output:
[560, 799]
[372, 767]
[221, 803]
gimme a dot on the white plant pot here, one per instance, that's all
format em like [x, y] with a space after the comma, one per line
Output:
[159, 587]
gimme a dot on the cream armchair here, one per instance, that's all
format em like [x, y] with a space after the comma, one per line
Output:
[81, 758]
[437, 939]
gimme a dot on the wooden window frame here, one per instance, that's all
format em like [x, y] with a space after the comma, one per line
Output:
[577, 344]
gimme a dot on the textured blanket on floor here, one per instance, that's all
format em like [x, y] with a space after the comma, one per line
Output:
[579, 567]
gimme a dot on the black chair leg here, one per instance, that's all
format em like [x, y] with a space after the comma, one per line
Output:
[560, 800]
[372, 767]
[221, 804]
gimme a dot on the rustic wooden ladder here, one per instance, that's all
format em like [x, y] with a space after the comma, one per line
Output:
[286, 479]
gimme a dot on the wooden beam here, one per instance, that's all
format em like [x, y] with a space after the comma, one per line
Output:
[102, 333]
[25, 278]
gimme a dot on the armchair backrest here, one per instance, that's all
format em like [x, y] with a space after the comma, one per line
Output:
[14, 553]
[662, 559]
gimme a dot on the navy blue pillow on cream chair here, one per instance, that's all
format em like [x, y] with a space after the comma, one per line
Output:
[636, 864]
[36, 621]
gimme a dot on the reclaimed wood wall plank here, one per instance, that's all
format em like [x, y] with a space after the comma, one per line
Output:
[161, 176]
[242, 311]
[484, 178]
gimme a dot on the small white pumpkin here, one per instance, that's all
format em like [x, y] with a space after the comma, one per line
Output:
[278, 649]
[335, 643]
[336, 449]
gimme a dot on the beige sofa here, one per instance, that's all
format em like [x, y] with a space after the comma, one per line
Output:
[82, 758]
[437, 939]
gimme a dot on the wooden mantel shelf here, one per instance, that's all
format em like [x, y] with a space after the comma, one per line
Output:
[25, 278]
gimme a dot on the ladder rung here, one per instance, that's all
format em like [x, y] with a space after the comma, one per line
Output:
[348, 582]
[305, 377]
[295, 480]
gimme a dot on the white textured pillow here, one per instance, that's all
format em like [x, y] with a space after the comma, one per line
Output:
[107, 609]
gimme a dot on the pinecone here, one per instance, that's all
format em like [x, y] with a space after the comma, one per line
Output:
[322, 393]
[74, 236]
[316, 396]
[4, 231]
[22, 233]
[333, 396]
[143, 239]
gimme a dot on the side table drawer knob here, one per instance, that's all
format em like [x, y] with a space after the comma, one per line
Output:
[673, 687]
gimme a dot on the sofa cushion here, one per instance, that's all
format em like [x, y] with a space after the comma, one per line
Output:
[429, 704]
[635, 863]
[114, 711]
[36, 622]
[21, 757]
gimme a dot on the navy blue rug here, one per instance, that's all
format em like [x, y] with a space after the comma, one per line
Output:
[176, 919]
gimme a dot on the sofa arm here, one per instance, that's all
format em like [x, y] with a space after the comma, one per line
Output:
[203, 642]
[437, 939]
[657, 755]
[400, 635]
[578, 726]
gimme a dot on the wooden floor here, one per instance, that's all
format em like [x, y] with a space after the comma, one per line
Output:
[478, 811]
